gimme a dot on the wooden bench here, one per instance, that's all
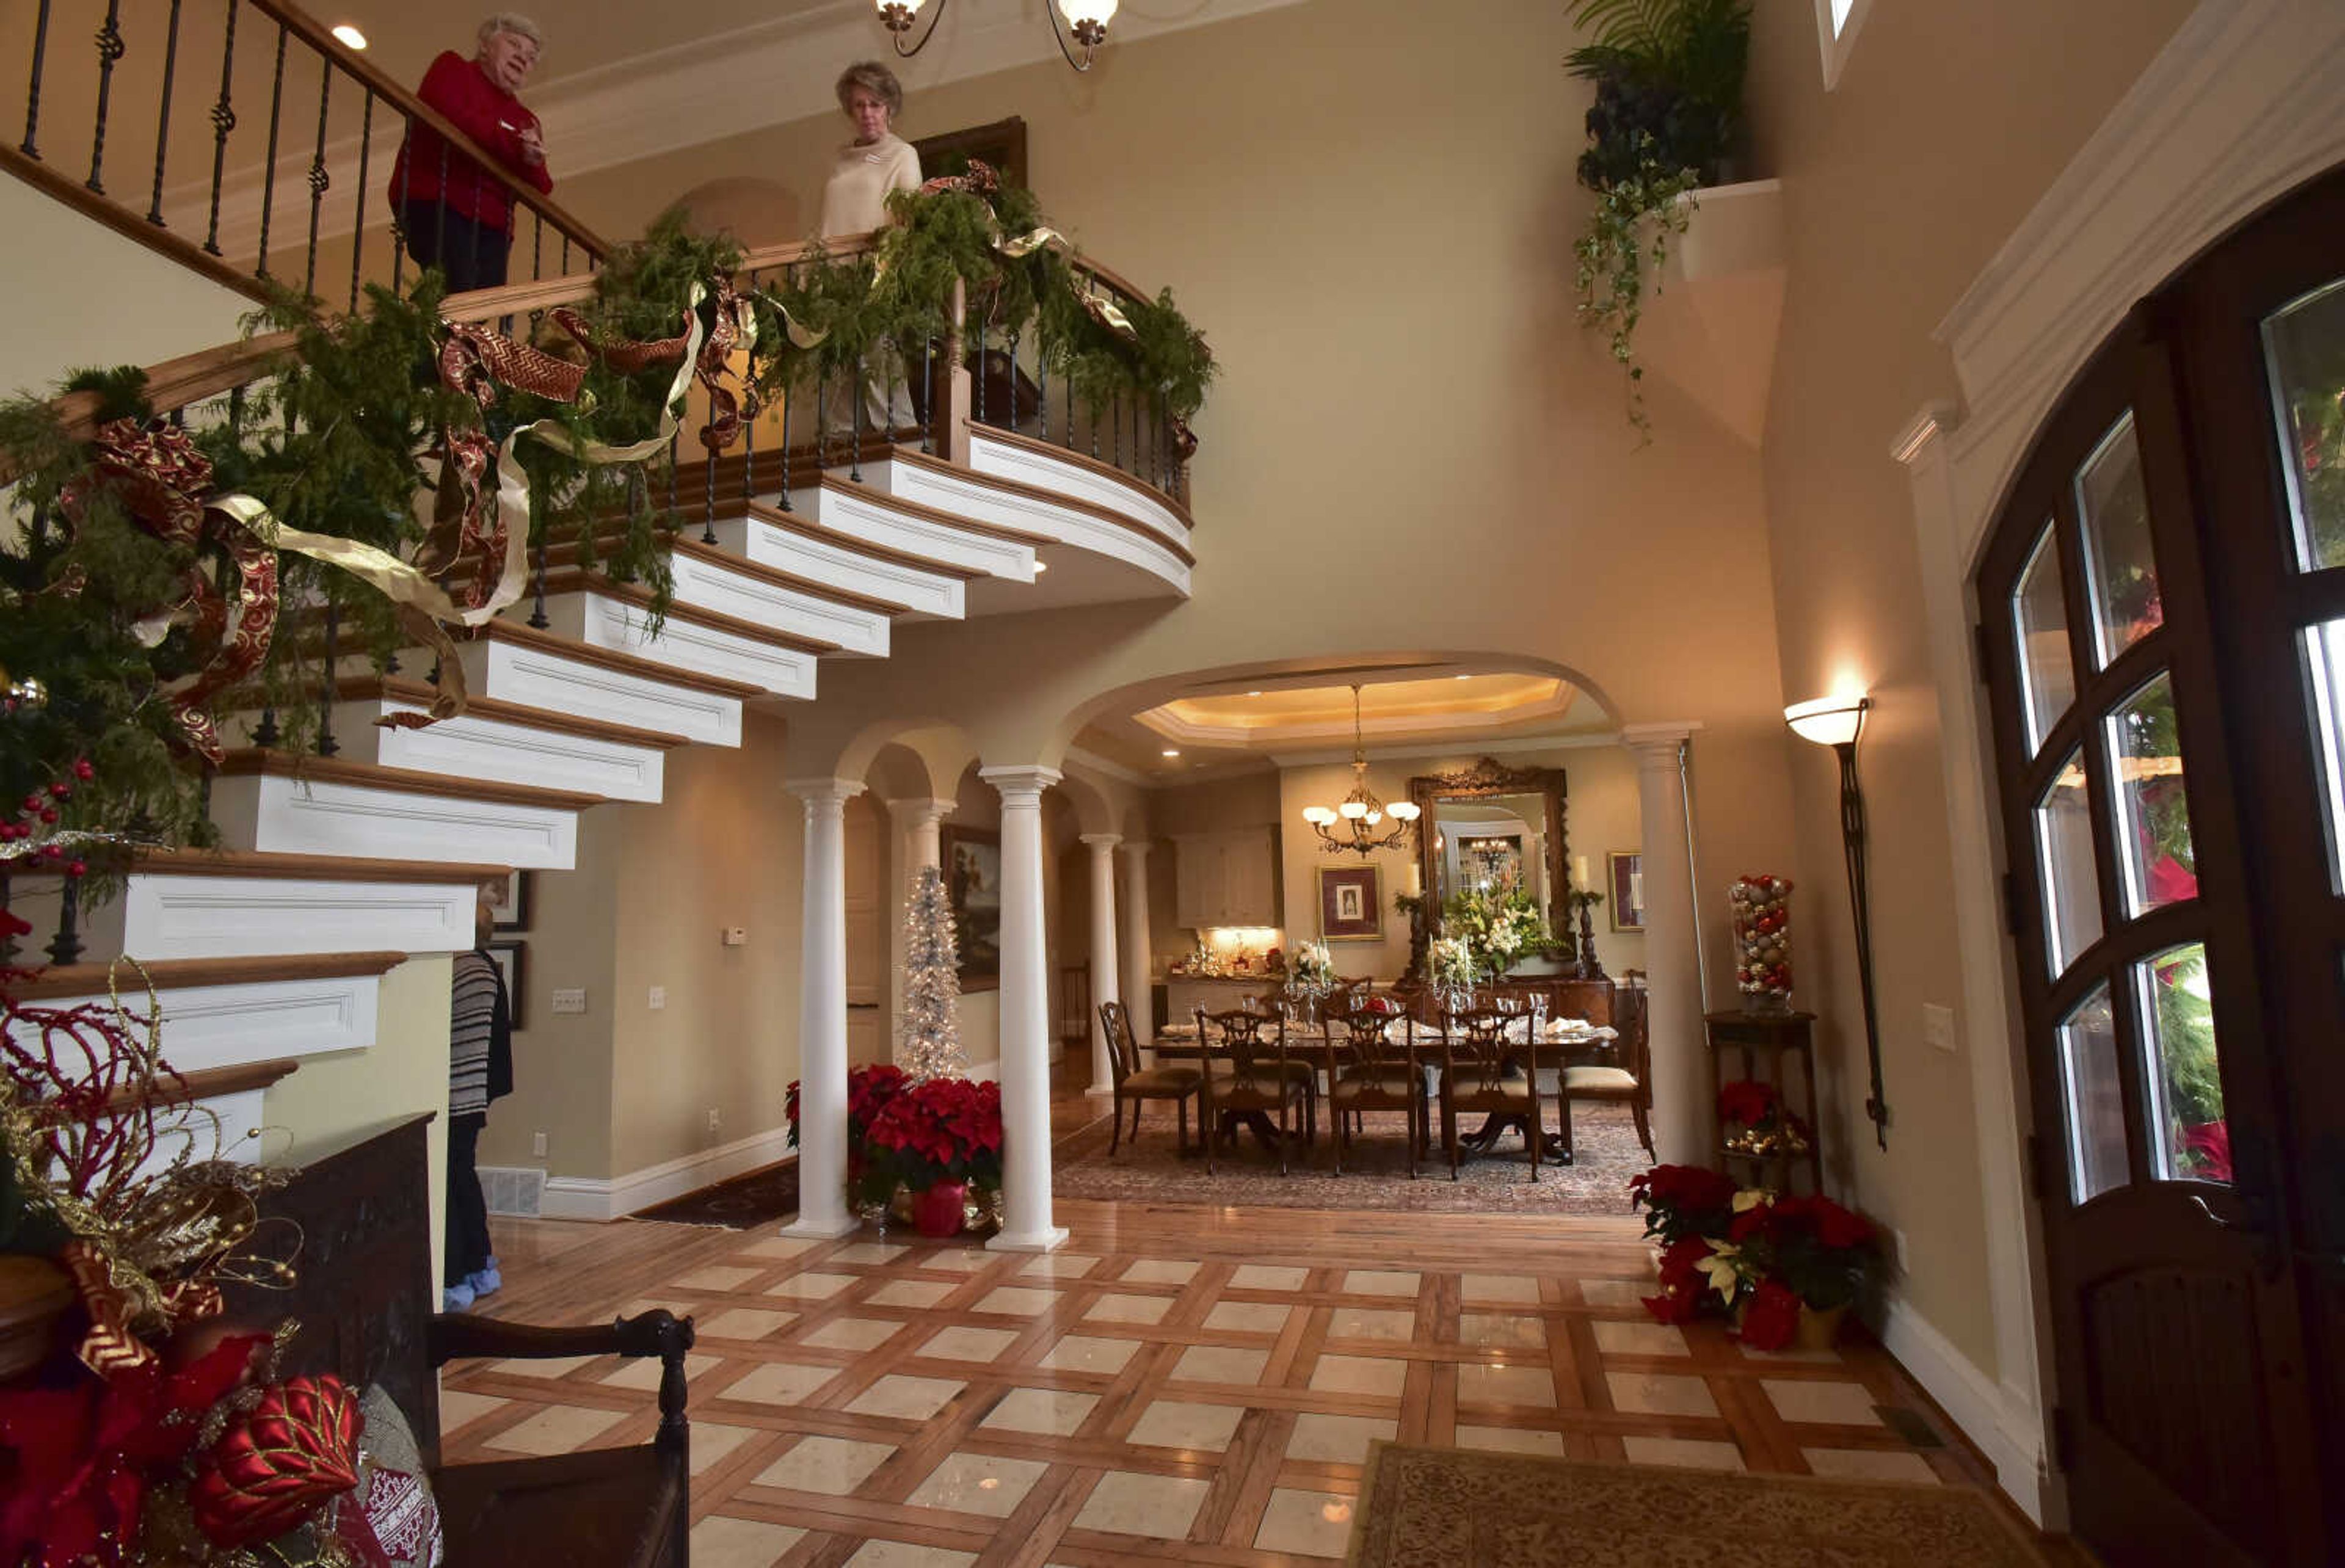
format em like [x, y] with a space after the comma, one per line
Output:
[364, 1301]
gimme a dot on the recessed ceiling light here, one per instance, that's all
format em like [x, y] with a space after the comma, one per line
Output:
[1465, 677]
[1041, 566]
[1253, 693]
[1171, 750]
[351, 35]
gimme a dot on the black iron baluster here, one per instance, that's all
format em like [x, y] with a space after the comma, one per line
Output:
[440, 216]
[566, 257]
[66, 947]
[709, 500]
[319, 178]
[789, 400]
[1115, 429]
[33, 93]
[204, 791]
[163, 118]
[223, 122]
[268, 167]
[537, 616]
[265, 733]
[749, 411]
[536, 245]
[928, 393]
[1013, 383]
[7, 931]
[980, 373]
[235, 409]
[326, 744]
[399, 205]
[358, 218]
[1042, 384]
[855, 452]
[671, 474]
[821, 422]
[110, 48]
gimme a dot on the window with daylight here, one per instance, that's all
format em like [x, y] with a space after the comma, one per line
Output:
[1837, 22]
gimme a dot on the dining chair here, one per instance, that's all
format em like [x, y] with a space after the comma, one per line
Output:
[1136, 1084]
[1626, 1077]
[1261, 1078]
[1475, 1056]
[1370, 1070]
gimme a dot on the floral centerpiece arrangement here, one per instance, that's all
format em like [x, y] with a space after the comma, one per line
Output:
[1498, 926]
[1311, 975]
[1786, 1270]
[936, 1141]
[138, 1424]
[1755, 1120]
[1453, 967]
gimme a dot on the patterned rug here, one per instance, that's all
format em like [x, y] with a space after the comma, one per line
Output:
[750, 1199]
[1376, 1171]
[1435, 1507]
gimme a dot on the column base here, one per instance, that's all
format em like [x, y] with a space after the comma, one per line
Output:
[1049, 1240]
[823, 1229]
[1100, 1091]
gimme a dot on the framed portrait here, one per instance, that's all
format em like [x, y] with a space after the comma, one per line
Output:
[1627, 869]
[1351, 904]
[509, 899]
[972, 872]
[511, 960]
[1001, 144]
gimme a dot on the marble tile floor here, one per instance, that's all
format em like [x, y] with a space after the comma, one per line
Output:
[1152, 1393]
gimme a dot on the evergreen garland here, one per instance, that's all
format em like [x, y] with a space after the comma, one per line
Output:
[927, 1043]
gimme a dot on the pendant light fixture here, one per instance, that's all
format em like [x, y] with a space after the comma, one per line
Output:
[1359, 824]
[1085, 20]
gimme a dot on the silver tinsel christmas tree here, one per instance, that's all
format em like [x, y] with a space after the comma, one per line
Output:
[927, 1037]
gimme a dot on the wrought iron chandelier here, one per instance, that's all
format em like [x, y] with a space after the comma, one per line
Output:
[1086, 21]
[1354, 824]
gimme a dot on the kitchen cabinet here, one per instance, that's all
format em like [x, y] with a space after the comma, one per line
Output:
[1226, 878]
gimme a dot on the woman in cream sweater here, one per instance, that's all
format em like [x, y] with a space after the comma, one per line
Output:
[854, 201]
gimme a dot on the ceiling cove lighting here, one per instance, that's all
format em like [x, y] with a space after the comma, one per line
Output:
[1354, 824]
[1086, 22]
[1837, 722]
[350, 36]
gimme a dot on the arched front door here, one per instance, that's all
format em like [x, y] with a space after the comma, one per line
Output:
[2163, 622]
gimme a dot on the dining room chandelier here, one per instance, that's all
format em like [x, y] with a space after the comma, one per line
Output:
[1354, 823]
[1085, 21]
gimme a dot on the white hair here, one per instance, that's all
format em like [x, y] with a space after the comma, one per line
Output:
[511, 22]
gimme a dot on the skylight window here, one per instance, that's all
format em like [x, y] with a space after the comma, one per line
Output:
[1837, 22]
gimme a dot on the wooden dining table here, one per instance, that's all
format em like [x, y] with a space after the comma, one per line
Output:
[1310, 1043]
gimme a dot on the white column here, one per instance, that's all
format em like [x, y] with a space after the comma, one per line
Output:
[1681, 1114]
[1137, 942]
[1104, 980]
[1025, 1015]
[916, 845]
[822, 1011]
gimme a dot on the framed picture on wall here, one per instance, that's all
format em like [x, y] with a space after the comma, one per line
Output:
[1351, 904]
[973, 872]
[1627, 868]
[1001, 144]
[511, 960]
[509, 899]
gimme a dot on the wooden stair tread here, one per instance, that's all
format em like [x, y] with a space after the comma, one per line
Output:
[130, 981]
[399, 688]
[575, 578]
[291, 868]
[525, 637]
[266, 760]
[809, 527]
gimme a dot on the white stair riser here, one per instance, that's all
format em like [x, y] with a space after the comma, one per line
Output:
[763, 603]
[863, 517]
[1125, 498]
[1070, 526]
[602, 622]
[475, 748]
[294, 816]
[181, 915]
[512, 673]
[209, 1026]
[836, 566]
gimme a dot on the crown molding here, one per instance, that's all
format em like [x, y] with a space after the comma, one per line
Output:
[1573, 741]
[1092, 763]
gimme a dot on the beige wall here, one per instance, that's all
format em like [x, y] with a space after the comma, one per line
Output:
[1899, 189]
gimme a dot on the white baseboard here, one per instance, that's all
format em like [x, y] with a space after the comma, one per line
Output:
[986, 1072]
[2006, 1427]
[587, 1198]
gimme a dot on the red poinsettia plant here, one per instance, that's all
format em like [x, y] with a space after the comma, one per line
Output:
[913, 1133]
[1754, 1254]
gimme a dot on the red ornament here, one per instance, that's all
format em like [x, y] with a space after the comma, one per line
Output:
[48, 813]
[61, 789]
[83, 771]
[77, 868]
[297, 1449]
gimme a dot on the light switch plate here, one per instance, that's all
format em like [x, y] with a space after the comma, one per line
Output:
[658, 998]
[569, 1000]
[537, 1144]
[736, 935]
[1938, 1025]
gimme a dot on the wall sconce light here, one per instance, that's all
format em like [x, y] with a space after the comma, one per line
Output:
[1837, 722]
[1086, 20]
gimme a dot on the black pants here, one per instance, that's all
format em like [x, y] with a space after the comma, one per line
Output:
[472, 254]
[467, 1251]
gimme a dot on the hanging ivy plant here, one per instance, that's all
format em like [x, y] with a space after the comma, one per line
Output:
[1628, 237]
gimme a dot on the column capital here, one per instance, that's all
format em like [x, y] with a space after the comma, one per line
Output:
[1656, 746]
[1103, 844]
[1137, 848]
[1013, 782]
[921, 808]
[824, 789]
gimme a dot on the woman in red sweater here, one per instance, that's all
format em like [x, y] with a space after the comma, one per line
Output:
[457, 215]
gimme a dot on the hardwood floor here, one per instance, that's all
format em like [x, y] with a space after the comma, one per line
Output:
[1181, 1383]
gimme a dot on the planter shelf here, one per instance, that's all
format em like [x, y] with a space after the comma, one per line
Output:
[1712, 327]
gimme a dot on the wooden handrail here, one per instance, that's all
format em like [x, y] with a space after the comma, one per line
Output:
[310, 31]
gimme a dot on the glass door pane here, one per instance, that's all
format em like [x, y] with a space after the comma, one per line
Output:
[2304, 356]
[2069, 866]
[2094, 1096]
[2153, 808]
[2123, 575]
[2191, 1139]
[2324, 678]
[2039, 618]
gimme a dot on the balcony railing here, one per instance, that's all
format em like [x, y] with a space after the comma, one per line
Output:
[271, 145]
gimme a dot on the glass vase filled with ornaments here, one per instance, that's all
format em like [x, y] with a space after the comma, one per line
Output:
[1761, 907]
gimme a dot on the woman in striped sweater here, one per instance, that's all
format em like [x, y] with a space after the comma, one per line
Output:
[480, 1069]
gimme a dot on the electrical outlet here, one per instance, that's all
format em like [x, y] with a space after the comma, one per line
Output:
[1897, 1249]
[716, 1118]
[1938, 1027]
[537, 1144]
[659, 998]
[569, 1000]
[736, 935]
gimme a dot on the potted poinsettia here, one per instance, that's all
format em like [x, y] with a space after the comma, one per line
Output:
[872, 1172]
[942, 1136]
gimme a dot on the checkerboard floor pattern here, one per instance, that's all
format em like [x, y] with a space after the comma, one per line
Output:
[907, 1401]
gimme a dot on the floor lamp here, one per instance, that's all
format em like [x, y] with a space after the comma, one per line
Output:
[1837, 722]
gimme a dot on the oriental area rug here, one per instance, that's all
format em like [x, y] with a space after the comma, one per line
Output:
[1464, 1508]
[1606, 1154]
[750, 1199]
